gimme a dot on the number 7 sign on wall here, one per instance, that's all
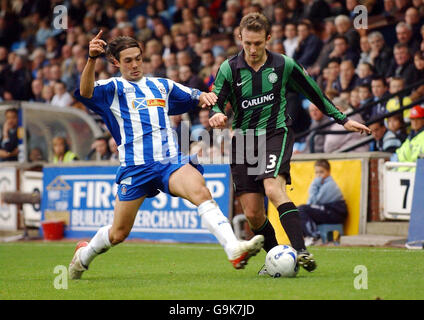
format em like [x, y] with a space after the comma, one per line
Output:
[398, 191]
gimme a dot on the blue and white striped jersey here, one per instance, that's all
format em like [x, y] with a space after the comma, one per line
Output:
[136, 114]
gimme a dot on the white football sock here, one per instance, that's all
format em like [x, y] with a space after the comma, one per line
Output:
[218, 225]
[99, 244]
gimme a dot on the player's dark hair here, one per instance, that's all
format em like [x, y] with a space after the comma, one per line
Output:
[256, 22]
[323, 163]
[121, 43]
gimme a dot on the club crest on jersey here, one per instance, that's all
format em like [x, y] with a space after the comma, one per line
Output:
[272, 77]
[141, 103]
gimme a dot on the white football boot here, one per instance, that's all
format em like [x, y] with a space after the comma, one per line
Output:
[245, 250]
[76, 268]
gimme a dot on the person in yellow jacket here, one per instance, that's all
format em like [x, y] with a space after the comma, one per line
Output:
[413, 146]
[61, 151]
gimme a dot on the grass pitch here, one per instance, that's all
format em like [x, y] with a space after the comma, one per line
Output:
[158, 271]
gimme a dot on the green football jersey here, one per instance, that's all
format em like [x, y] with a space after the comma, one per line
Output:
[258, 98]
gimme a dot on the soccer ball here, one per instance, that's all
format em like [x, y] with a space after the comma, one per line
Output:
[281, 261]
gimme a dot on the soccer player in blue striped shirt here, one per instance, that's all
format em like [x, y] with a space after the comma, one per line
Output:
[135, 109]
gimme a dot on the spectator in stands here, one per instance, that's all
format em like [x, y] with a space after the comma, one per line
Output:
[315, 11]
[61, 151]
[389, 8]
[418, 92]
[9, 137]
[384, 139]
[318, 118]
[37, 89]
[366, 98]
[173, 73]
[396, 85]
[293, 10]
[309, 45]
[325, 204]
[61, 97]
[413, 146]
[334, 142]
[404, 35]
[291, 40]
[380, 54]
[365, 50]
[347, 79]
[397, 125]
[36, 154]
[327, 37]
[413, 19]
[15, 79]
[328, 80]
[100, 147]
[206, 63]
[277, 46]
[47, 93]
[342, 51]
[379, 91]
[344, 27]
[365, 72]
[402, 64]
[158, 67]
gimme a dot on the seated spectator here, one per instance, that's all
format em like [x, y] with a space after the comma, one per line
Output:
[61, 97]
[291, 40]
[398, 84]
[384, 139]
[402, 64]
[365, 47]
[315, 11]
[342, 51]
[413, 19]
[100, 147]
[413, 146]
[9, 137]
[325, 204]
[404, 35]
[309, 45]
[328, 79]
[47, 93]
[380, 53]
[418, 67]
[36, 154]
[334, 142]
[397, 125]
[318, 118]
[345, 27]
[205, 131]
[157, 65]
[61, 151]
[365, 72]
[365, 97]
[347, 79]
[379, 91]
[37, 89]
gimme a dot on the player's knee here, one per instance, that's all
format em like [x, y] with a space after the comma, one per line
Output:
[201, 194]
[118, 236]
[272, 192]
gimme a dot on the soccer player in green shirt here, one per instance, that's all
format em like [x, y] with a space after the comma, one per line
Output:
[255, 82]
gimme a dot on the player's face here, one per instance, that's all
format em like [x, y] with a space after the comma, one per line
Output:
[254, 44]
[131, 64]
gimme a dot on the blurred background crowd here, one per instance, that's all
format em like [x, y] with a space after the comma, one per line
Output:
[380, 64]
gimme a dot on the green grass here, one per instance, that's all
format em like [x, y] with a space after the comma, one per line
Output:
[198, 271]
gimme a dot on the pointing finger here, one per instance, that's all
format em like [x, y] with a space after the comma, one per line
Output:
[98, 35]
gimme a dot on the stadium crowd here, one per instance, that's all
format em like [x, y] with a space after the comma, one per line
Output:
[187, 40]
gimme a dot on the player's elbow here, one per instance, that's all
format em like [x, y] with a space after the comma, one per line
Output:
[86, 93]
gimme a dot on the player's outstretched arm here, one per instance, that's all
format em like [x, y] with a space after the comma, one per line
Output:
[355, 126]
[95, 49]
